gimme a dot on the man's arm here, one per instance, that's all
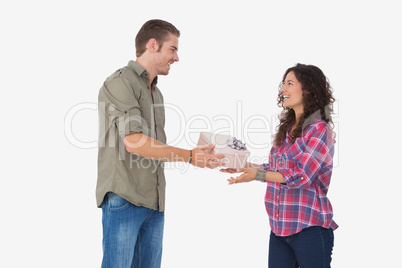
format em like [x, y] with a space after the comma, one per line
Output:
[148, 147]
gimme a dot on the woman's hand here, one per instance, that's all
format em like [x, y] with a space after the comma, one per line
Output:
[247, 176]
[229, 170]
[247, 166]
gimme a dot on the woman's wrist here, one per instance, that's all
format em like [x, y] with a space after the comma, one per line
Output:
[260, 176]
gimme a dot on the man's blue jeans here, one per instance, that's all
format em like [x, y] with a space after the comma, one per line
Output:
[132, 235]
[311, 248]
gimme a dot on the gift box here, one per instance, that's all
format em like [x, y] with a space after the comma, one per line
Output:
[234, 158]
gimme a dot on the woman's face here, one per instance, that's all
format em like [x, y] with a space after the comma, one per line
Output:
[292, 93]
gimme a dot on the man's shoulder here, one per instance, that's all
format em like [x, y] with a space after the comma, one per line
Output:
[123, 76]
[126, 72]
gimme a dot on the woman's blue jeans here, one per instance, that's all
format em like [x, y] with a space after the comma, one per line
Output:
[310, 248]
[132, 235]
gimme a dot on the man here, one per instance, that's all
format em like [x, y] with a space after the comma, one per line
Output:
[131, 183]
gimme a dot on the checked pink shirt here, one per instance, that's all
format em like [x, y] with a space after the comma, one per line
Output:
[306, 166]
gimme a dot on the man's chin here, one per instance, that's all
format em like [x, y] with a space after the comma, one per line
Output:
[164, 73]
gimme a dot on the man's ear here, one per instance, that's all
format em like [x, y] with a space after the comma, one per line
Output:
[152, 45]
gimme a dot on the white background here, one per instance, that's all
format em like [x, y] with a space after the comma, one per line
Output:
[55, 55]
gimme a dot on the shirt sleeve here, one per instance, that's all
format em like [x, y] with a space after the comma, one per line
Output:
[120, 106]
[266, 166]
[315, 152]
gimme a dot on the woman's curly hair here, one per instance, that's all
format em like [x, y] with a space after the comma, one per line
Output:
[317, 100]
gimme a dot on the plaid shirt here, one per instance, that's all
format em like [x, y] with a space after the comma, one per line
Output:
[306, 166]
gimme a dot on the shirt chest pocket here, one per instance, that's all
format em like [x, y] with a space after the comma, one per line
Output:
[153, 114]
[146, 110]
[159, 112]
[286, 160]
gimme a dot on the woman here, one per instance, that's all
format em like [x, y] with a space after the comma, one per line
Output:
[298, 173]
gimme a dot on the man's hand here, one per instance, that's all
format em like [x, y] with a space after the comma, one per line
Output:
[203, 159]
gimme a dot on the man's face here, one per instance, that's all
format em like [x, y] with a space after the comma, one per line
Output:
[167, 55]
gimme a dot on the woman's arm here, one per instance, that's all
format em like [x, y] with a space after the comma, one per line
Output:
[250, 174]
[235, 170]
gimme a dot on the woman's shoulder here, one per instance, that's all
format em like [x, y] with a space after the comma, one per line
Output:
[317, 126]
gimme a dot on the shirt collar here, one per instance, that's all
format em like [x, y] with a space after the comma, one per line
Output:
[141, 71]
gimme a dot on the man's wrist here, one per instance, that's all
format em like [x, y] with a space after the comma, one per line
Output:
[191, 157]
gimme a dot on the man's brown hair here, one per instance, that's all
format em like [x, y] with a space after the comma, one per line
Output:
[157, 29]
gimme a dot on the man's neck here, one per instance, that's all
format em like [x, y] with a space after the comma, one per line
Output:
[147, 65]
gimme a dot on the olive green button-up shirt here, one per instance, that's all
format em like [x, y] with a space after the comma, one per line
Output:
[125, 107]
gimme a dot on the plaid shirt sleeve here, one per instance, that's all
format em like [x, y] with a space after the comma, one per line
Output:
[266, 166]
[310, 154]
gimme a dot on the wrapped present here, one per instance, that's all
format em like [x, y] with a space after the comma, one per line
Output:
[234, 150]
